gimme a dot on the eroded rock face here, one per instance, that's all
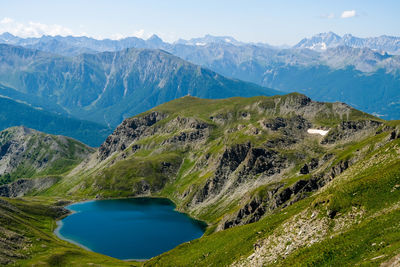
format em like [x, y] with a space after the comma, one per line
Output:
[349, 129]
[190, 131]
[185, 137]
[289, 126]
[279, 197]
[309, 166]
[239, 163]
[127, 132]
[23, 186]
[229, 162]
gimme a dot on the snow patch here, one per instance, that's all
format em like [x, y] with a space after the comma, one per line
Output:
[317, 131]
[319, 46]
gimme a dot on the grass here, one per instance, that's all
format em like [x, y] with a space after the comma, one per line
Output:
[363, 244]
[224, 247]
[369, 184]
[34, 218]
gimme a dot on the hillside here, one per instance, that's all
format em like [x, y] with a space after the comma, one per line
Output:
[272, 190]
[26, 153]
[14, 113]
[27, 229]
[111, 86]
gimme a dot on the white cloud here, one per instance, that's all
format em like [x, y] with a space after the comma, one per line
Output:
[37, 29]
[117, 36]
[142, 34]
[139, 34]
[6, 20]
[348, 14]
[32, 29]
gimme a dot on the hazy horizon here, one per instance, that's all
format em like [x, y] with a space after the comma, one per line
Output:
[276, 23]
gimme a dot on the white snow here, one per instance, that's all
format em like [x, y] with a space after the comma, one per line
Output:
[319, 46]
[201, 44]
[317, 131]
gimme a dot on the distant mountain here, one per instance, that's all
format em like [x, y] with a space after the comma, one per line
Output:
[322, 41]
[351, 71]
[108, 87]
[366, 79]
[209, 39]
[15, 114]
[72, 46]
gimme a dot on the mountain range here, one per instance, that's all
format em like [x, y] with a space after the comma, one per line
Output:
[71, 45]
[322, 41]
[107, 87]
[356, 72]
[14, 113]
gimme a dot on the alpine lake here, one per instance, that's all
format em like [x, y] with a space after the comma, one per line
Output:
[128, 229]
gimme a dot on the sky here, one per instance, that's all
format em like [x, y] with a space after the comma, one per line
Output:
[276, 22]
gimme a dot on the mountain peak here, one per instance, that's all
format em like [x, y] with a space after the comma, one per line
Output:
[322, 41]
[6, 36]
[209, 39]
[155, 39]
[22, 130]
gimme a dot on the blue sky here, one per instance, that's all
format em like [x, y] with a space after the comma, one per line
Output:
[275, 22]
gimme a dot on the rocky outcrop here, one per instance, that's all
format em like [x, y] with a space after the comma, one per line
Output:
[187, 137]
[229, 162]
[22, 187]
[190, 131]
[239, 163]
[291, 126]
[277, 196]
[309, 166]
[349, 129]
[127, 132]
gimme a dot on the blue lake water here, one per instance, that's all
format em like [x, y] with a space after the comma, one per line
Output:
[138, 228]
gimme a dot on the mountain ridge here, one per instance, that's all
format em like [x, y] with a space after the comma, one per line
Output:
[322, 41]
[116, 84]
[19, 113]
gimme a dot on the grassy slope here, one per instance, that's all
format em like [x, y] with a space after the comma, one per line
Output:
[59, 154]
[364, 186]
[370, 185]
[34, 218]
